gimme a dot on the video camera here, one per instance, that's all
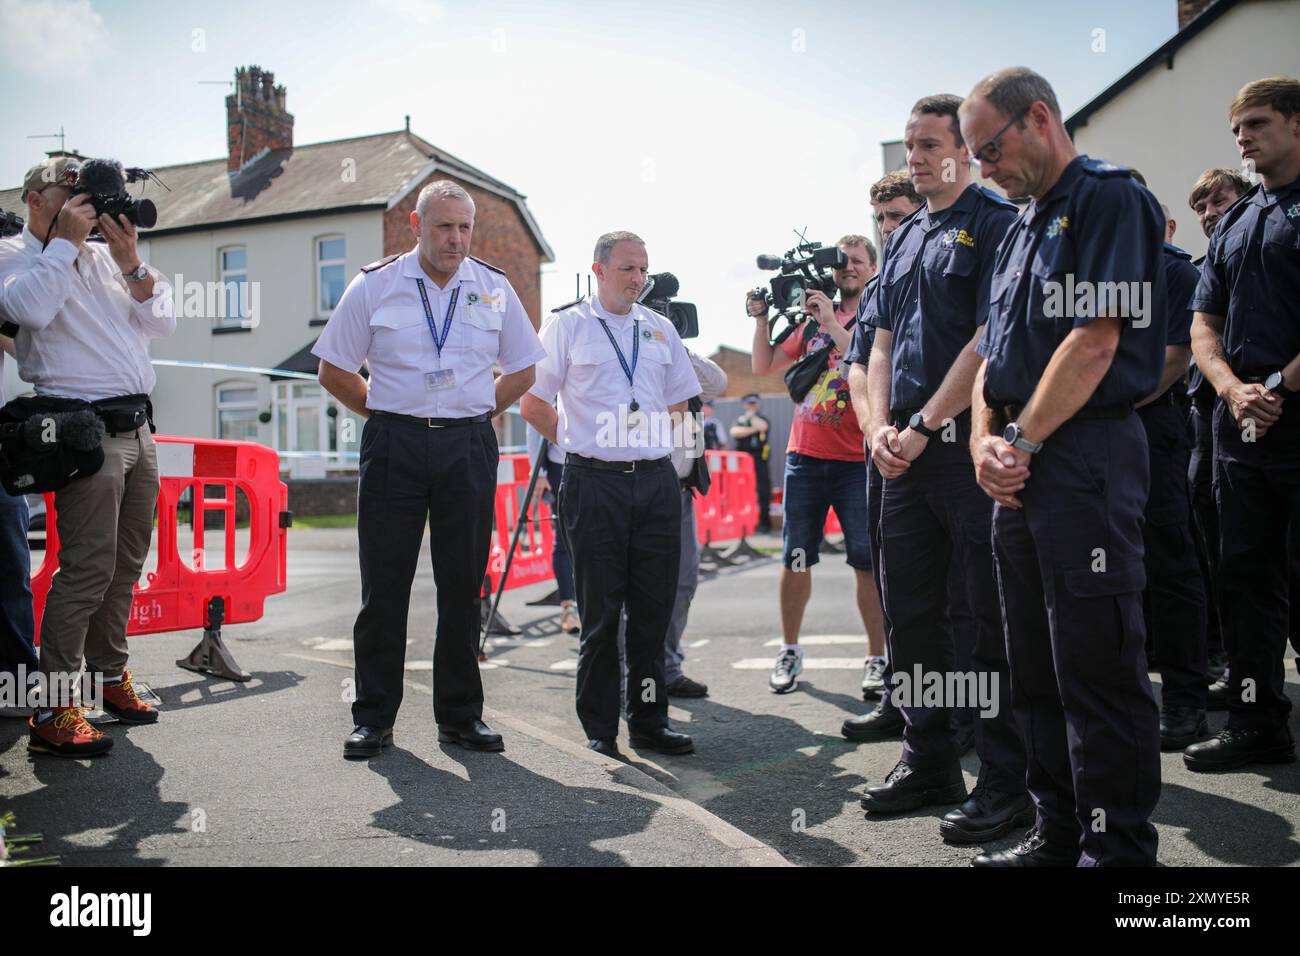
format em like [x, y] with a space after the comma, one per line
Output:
[10, 224]
[104, 181]
[804, 268]
[658, 293]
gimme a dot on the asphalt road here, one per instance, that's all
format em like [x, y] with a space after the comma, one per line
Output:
[774, 767]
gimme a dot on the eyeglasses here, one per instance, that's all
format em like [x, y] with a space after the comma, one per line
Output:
[991, 151]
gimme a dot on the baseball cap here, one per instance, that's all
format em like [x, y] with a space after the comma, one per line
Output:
[751, 397]
[48, 172]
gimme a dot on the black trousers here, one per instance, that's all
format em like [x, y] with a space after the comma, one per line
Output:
[410, 474]
[624, 533]
[935, 516]
[1205, 517]
[1257, 486]
[763, 486]
[1175, 594]
[1070, 573]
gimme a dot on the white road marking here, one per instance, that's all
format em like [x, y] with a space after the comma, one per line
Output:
[564, 666]
[337, 644]
[815, 639]
[809, 664]
[700, 643]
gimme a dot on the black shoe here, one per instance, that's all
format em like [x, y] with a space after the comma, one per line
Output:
[908, 788]
[662, 741]
[1181, 726]
[885, 722]
[1216, 696]
[1237, 747]
[1033, 850]
[367, 742]
[685, 687]
[605, 746]
[472, 735]
[986, 815]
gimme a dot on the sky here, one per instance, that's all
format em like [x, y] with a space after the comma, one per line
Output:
[714, 130]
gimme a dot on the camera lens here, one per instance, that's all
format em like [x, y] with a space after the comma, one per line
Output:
[145, 213]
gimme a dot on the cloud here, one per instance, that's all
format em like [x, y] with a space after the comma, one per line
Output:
[52, 38]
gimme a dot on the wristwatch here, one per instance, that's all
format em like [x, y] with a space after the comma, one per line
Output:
[139, 274]
[917, 424]
[1014, 437]
[1274, 384]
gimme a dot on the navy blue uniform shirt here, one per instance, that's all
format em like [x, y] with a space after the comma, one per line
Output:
[1180, 282]
[933, 292]
[864, 328]
[1251, 277]
[1096, 225]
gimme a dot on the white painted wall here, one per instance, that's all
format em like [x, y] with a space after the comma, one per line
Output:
[1172, 124]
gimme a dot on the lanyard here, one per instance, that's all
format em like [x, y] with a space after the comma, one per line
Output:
[428, 315]
[630, 372]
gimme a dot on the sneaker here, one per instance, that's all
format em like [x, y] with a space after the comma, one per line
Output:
[873, 678]
[123, 702]
[67, 734]
[789, 665]
[685, 687]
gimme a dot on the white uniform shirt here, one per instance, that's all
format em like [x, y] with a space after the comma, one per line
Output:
[81, 333]
[582, 368]
[380, 320]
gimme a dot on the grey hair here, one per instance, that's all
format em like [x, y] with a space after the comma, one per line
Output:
[1013, 90]
[606, 243]
[442, 189]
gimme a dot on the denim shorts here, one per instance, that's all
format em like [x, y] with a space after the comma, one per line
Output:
[812, 487]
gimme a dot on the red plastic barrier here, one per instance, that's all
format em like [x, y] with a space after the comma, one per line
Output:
[832, 523]
[176, 594]
[532, 560]
[730, 510]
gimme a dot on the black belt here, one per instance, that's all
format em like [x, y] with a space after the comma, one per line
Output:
[1169, 397]
[1011, 412]
[623, 467]
[436, 422]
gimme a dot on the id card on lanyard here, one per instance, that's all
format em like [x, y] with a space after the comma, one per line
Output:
[445, 378]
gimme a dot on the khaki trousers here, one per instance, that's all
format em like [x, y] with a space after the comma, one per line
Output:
[105, 522]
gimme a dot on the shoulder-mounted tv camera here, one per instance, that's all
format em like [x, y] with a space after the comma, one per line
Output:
[658, 295]
[806, 267]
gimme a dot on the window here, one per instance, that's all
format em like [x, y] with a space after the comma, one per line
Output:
[331, 253]
[237, 411]
[233, 273]
[310, 439]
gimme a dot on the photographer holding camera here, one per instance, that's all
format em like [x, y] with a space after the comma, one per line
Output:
[825, 460]
[85, 312]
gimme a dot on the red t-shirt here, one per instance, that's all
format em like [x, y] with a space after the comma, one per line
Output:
[825, 425]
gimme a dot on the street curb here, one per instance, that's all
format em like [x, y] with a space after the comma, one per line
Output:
[752, 852]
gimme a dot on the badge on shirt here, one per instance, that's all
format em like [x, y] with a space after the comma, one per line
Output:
[441, 380]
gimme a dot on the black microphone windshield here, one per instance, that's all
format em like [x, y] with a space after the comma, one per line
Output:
[768, 263]
[102, 177]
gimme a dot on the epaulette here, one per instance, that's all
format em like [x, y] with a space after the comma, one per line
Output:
[1100, 167]
[488, 265]
[568, 305]
[1176, 252]
[387, 260]
[996, 199]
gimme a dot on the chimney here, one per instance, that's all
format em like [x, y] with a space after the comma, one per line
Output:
[1189, 10]
[256, 120]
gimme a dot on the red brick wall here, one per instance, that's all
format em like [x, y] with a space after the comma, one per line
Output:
[500, 237]
[256, 119]
[741, 379]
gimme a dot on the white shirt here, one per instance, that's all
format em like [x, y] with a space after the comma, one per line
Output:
[380, 320]
[81, 333]
[582, 368]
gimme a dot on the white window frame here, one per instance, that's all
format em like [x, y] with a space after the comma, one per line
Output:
[321, 311]
[241, 405]
[224, 276]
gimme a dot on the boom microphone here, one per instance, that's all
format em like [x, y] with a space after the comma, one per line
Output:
[768, 263]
